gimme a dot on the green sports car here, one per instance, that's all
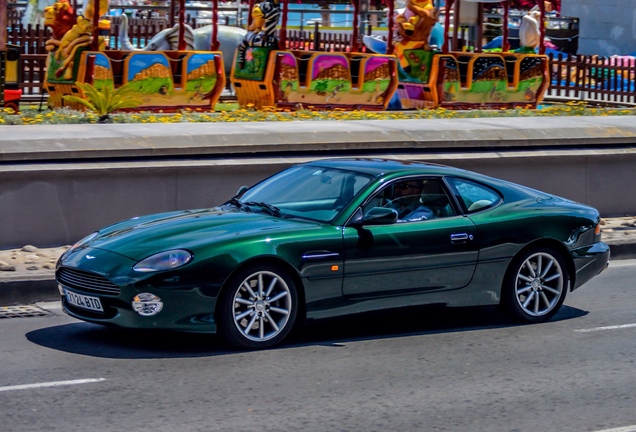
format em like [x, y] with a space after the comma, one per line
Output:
[335, 237]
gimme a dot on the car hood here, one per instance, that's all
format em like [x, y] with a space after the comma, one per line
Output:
[140, 237]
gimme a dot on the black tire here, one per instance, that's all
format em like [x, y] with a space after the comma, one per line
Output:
[535, 285]
[258, 307]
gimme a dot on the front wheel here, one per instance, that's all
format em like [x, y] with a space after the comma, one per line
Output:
[535, 285]
[258, 308]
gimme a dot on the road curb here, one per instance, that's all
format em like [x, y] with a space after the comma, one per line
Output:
[623, 250]
[28, 291]
[84, 142]
[15, 290]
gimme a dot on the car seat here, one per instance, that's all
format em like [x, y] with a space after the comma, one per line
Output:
[434, 197]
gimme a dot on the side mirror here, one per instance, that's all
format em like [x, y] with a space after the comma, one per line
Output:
[380, 216]
[241, 191]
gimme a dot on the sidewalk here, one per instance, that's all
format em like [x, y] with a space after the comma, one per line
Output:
[27, 275]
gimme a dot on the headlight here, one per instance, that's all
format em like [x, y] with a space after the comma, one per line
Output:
[164, 261]
[146, 304]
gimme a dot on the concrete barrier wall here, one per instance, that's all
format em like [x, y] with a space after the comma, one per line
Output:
[57, 204]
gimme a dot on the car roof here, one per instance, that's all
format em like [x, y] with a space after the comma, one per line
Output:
[396, 168]
[378, 167]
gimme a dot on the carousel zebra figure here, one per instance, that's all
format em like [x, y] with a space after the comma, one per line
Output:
[262, 31]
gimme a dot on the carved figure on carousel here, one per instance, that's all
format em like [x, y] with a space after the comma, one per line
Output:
[60, 17]
[262, 31]
[529, 32]
[198, 39]
[413, 13]
[414, 30]
[67, 37]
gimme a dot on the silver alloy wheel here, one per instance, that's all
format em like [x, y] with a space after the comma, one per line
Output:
[539, 284]
[262, 306]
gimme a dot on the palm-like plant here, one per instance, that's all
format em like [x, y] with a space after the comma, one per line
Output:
[105, 100]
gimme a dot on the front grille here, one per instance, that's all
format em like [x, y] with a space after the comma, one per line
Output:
[86, 281]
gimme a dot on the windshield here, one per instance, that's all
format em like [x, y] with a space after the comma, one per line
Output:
[306, 191]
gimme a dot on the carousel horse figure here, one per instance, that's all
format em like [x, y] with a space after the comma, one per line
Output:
[262, 31]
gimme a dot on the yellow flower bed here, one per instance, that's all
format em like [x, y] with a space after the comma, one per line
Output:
[231, 113]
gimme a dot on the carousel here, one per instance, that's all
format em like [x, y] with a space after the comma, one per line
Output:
[409, 72]
[165, 79]
[265, 74]
[416, 68]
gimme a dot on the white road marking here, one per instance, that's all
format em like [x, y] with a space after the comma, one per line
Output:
[614, 327]
[620, 429]
[623, 263]
[51, 384]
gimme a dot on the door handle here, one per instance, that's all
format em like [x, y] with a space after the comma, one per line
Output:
[462, 237]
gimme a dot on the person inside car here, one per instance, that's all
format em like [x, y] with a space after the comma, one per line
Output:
[406, 201]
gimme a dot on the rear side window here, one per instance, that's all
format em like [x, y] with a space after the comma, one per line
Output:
[472, 196]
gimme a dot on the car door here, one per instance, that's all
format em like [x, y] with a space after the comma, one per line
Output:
[438, 253]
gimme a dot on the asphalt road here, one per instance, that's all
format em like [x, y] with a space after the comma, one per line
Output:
[426, 369]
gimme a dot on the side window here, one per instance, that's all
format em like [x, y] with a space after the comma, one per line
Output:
[379, 199]
[434, 196]
[414, 199]
[474, 196]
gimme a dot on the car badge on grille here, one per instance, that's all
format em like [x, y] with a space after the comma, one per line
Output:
[90, 257]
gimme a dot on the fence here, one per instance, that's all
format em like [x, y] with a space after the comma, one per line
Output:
[320, 41]
[606, 80]
[574, 77]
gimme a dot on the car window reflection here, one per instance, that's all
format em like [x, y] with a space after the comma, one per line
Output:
[416, 199]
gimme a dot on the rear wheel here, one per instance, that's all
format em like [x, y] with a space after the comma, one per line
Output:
[258, 307]
[535, 285]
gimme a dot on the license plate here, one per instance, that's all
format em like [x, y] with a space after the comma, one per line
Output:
[83, 301]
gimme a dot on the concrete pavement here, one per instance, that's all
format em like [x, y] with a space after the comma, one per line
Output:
[292, 139]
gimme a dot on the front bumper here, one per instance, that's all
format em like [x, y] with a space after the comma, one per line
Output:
[188, 305]
[589, 261]
[185, 310]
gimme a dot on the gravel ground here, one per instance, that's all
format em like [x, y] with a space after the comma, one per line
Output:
[619, 230]
[31, 259]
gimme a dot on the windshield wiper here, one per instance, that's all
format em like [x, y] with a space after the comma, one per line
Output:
[272, 210]
[234, 202]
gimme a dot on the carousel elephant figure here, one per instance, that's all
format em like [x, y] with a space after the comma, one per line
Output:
[196, 39]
